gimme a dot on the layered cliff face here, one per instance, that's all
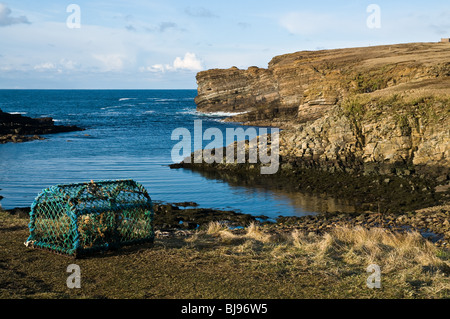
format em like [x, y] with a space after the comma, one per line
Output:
[364, 108]
[385, 135]
[304, 85]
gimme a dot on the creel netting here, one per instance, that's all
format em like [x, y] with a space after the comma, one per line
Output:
[77, 218]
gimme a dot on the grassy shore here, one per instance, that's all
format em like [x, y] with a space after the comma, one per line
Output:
[214, 262]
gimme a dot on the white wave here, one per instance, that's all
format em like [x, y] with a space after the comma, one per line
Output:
[219, 120]
[166, 100]
[148, 112]
[189, 112]
[111, 113]
[211, 114]
[16, 113]
[222, 114]
[110, 107]
[127, 98]
[158, 99]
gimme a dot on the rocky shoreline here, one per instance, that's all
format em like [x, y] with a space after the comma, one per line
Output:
[174, 220]
[394, 193]
[363, 124]
[433, 223]
[179, 216]
[17, 128]
[369, 111]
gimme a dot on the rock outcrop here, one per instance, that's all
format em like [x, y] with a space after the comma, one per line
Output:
[18, 128]
[302, 86]
[384, 142]
[383, 109]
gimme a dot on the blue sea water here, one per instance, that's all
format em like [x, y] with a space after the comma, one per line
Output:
[127, 136]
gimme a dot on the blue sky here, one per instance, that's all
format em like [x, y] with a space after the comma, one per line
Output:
[163, 44]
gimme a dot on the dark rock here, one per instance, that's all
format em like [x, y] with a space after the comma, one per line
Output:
[22, 212]
[170, 216]
[17, 128]
[186, 204]
[189, 225]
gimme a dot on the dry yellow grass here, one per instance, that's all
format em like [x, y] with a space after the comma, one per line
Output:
[353, 245]
[407, 259]
[416, 89]
[392, 251]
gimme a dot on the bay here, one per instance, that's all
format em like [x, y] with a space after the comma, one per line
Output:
[128, 136]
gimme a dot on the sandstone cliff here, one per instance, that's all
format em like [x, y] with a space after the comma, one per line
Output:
[303, 85]
[384, 109]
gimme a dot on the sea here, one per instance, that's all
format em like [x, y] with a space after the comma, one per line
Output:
[128, 135]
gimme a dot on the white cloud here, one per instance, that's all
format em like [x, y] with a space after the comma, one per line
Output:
[154, 68]
[190, 63]
[60, 67]
[110, 62]
[6, 19]
[46, 66]
[68, 64]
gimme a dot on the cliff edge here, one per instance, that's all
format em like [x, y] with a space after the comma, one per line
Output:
[382, 109]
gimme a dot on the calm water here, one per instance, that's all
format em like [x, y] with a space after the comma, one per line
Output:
[128, 136]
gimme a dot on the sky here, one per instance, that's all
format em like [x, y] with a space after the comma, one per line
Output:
[118, 44]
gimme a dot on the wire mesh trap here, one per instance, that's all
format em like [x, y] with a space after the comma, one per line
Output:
[77, 219]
